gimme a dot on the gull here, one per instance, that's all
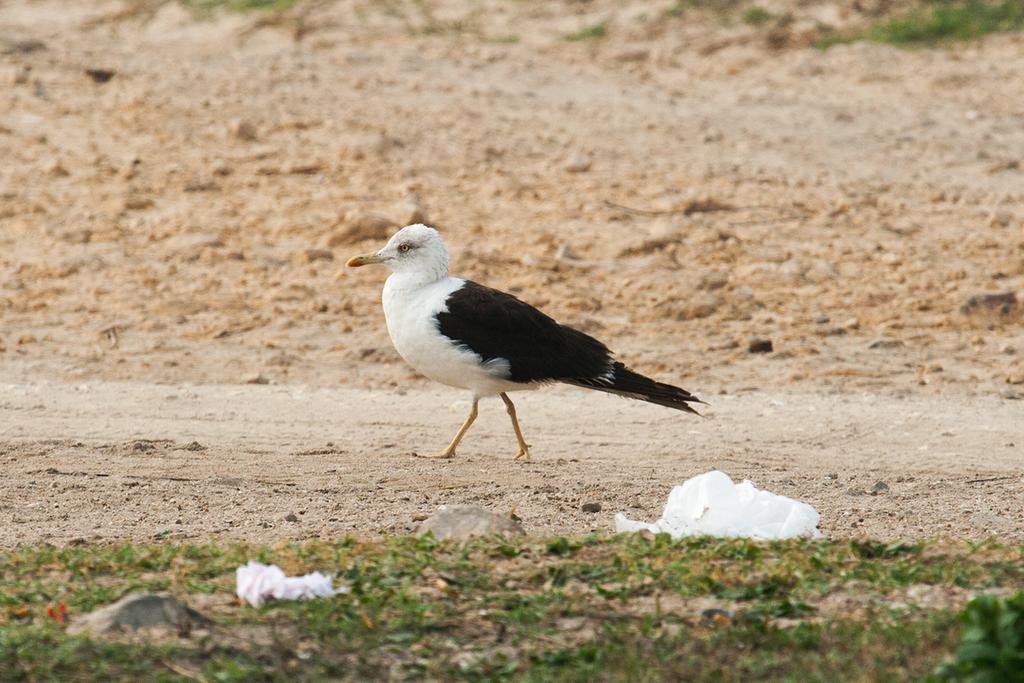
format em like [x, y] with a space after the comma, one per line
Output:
[463, 334]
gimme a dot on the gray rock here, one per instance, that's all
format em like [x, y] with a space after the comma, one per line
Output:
[241, 129]
[465, 521]
[994, 304]
[578, 163]
[100, 75]
[591, 507]
[140, 610]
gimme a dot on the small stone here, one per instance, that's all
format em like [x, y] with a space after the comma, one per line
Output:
[220, 167]
[55, 168]
[715, 279]
[201, 185]
[578, 163]
[195, 446]
[724, 344]
[1008, 349]
[850, 324]
[879, 487]
[255, 379]
[304, 168]
[242, 130]
[854, 491]
[1000, 219]
[81, 236]
[100, 75]
[702, 305]
[832, 475]
[291, 517]
[999, 304]
[1015, 378]
[761, 346]
[138, 611]
[137, 203]
[591, 507]
[886, 344]
[565, 252]
[465, 521]
[822, 319]
[1011, 395]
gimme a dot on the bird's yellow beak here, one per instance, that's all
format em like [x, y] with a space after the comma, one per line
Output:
[364, 260]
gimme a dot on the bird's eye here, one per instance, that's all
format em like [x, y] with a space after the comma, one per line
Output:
[404, 247]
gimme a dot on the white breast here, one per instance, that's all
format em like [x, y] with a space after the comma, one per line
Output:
[410, 312]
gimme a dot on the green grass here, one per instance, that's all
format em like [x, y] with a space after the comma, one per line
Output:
[205, 7]
[755, 16]
[940, 21]
[721, 7]
[991, 643]
[594, 32]
[563, 609]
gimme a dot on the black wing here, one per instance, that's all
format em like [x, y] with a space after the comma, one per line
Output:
[494, 324]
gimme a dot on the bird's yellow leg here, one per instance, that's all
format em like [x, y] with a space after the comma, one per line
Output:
[524, 448]
[450, 451]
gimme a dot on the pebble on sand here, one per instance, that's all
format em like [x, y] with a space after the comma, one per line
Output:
[241, 129]
[466, 521]
[137, 611]
[578, 163]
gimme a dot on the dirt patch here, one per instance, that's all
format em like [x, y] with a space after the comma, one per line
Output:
[177, 195]
[120, 461]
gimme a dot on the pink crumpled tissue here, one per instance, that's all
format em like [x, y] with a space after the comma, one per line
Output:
[259, 582]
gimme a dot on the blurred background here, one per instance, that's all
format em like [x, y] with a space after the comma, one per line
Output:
[733, 194]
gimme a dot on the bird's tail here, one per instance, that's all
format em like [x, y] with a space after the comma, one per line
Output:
[622, 381]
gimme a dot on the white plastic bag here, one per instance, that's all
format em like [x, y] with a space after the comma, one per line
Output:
[711, 504]
[257, 582]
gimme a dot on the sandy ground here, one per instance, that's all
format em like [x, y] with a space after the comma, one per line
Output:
[138, 461]
[177, 194]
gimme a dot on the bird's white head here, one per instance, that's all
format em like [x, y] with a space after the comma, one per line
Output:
[416, 250]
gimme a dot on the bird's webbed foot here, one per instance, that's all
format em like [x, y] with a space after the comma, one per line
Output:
[446, 453]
